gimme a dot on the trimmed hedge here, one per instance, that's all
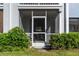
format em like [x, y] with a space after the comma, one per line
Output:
[65, 41]
[15, 39]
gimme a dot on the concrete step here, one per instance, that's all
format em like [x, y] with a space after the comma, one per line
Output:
[38, 45]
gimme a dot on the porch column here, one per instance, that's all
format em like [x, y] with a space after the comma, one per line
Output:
[14, 15]
[6, 17]
[67, 17]
[61, 19]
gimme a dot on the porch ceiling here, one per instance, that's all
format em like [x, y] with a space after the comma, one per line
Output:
[28, 12]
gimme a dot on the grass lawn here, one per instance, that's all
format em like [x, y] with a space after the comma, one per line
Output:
[39, 52]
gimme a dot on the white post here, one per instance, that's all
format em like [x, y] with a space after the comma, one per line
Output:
[61, 19]
[14, 15]
[32, 28]
[67, 17]
[6, 17]
[46, 26]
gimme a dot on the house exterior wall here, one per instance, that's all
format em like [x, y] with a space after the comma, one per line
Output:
[14, 15]
[11, 17]
[6, 17]
[73, 17]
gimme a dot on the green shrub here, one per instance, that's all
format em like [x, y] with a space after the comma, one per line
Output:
[73, 39]
[18, 37]
[54, 41]
[14, 40]
[4, 39]
[62, 39]
[65, 41]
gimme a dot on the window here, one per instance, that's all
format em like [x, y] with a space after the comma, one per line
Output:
[74, 24]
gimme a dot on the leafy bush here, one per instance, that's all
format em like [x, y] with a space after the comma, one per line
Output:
[14, 40]
[4, 39]
[65, 41]
[18, 37]
[73, 40]
[54, 41]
